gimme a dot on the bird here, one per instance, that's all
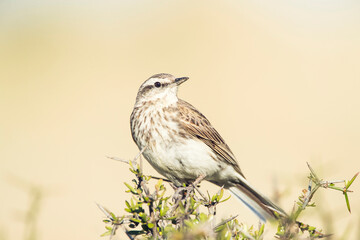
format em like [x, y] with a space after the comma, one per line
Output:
[180, 143]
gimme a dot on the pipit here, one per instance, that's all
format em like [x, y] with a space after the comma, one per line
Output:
[181, 144]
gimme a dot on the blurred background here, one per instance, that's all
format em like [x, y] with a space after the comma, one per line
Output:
[280, 80]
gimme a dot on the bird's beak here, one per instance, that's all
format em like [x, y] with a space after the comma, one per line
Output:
[179, 81]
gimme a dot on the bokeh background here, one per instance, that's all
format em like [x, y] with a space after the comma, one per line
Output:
[280, 80]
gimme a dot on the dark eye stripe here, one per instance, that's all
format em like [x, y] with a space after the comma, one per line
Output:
[149, 87]
[146, 88]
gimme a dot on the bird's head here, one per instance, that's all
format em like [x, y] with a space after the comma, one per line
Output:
[161, 87]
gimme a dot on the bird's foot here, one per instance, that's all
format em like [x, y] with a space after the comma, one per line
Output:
[180, 193]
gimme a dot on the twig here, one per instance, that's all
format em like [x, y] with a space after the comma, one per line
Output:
[245, 234]
[201, 194]
[141, 164]
[113, 231]
[154, 229]
[308, 193]
[312, 171]
[105, 211]
[191, 194]
[127, 233]
[306, 227]
[114, 222]
[326, 183]
[128, 162]
[141, 152]
[158, 178]
[118, 159]
[225, 222]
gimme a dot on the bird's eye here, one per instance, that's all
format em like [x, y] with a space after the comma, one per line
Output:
[157, 84]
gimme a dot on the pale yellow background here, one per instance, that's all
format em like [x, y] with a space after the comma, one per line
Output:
[280, 80]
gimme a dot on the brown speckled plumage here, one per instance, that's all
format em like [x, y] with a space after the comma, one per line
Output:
[181, 144]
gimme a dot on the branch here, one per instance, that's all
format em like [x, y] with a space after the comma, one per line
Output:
[126, 161]
[225, 222]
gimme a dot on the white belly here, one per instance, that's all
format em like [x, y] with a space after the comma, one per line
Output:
[183, 161]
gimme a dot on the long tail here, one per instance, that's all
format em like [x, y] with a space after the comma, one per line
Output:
[258, 203]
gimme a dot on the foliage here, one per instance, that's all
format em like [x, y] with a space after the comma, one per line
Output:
[189, 214]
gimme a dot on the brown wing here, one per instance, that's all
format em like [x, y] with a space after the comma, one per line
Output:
[197, 125]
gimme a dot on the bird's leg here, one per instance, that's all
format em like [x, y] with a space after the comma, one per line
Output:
[182, 192]
[193, 185]
[179, 193]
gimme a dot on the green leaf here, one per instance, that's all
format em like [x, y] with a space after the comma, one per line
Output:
[150, 225]
[108, 233]
[192, 202]
[158, 185]
[135, 220]
[347, 201]
[351, 181]
[131, 188]
[162, 194]
[225, 199]
[311, 228]
[146, 199]
[113, 216]
[135, 232]
[163, 210]
[214, 197]
[261, 230]
[203, 217]
[221, 194]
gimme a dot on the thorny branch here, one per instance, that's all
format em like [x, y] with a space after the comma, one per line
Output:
[320, 183]
[183, 201]
[185, 206]
[304, 201]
